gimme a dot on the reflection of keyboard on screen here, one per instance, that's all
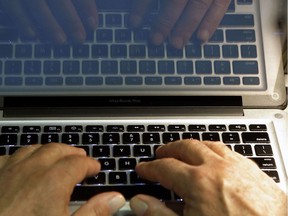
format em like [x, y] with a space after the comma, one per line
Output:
[115, 56]
[121, 145]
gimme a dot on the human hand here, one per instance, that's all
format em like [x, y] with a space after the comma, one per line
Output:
[56, 20]
[211, 179]
[179, 19]
[39, 180]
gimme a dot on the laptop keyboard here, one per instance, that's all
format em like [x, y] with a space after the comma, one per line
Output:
[116, 57]
[119, 147]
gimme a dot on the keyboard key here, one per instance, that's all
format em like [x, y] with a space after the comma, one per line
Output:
[113, 20]
[166, 67]
[94, 81]
[28, 139]
[121, 151]
[62, 51]
[231, 80]
[251, 81]
[32, 67]
[147, 67]
[170, 137]
[131, 138]
[13, 81]
[6, 50]
[81, 51]
[137, 51]
[8, 35]
[90, 138]
[217, 37]
[2, 151]
[109, 67]
[101, 151]
[100, 51]
[230, 138]
[107, 163]
[156, 51]
[173, 81]
[49, 138]
[54, 81]
[156, 128]
[13, 67]
[123, 35]
[184, 67]
[240, 36]
[238, 127]
[142, 151]
[255, 137]
[127, 163]
[248, 51]
[258, 127]
[115, 128]
[191, 136]
[193, 51]
[94, 128]
[73, 128]
[133, 80]
[117, 178]
[197, 128]
[8, 139]
[136, 128]
[128, 67]
[245, 67]
[230, 51]
[239, 20]
[265, 163]
[273, 174]
[212, 80]
[23, 51]
[245, 2]
[111, 138]
[263, 150]
[217, 127]
[153, 80]
[90, 67]
[151, 138]
[42, 51]
[211, 51]
[71, 67]
[176, 128]
[13, 149]
[245, 150]
[192, 80]
[210, 137]
[173, 52]
[203, 67]
[85, 148]
[118, 51]
[10, 129]
[52, 67]
[31, 129]
[70, 138]
[104, 35]
[98, 179]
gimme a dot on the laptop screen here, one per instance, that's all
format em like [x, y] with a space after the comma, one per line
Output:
[123, 48]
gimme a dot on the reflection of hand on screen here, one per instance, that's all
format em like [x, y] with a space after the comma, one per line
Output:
[57, 20]
[179, 19]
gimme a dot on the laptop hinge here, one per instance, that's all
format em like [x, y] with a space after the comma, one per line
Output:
[122, 107]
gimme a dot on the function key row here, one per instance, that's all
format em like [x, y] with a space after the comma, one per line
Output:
[132, 128]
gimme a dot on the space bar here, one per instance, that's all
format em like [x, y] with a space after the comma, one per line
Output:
[83, 193]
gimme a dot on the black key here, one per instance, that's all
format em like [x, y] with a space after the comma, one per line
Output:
[217, 36]
[6, 51]
[94, 128]
[157, 128]
[98, 179]
[10, 129]
[32, 68]
[100, 51]
[29, 139]
[173, 52]
[193, 51]
[265, 163]
[73, 128]
[197, 128]
[141, 35]
[245, 150]
[113, 20]
[273, 174]
[210, 136]
[166, 67]
[135, 179]
[23, 51]
[71, 67]
[176, 128]
[203, 67]
[239, 20]
[121, 151]
[52, 68]
[217, 127]
[147, 159]
[142, 150]
[255, 137]
[42, 51]
[230, 51]
[81, 51]
[128, 67]
[240, 35]
[122, 35]
[101, 151]
[62, 51]
[115, 128]
[109, 67]
[107, 163]
[70, 138]
[117, 178]
[83, 193]
[137, 51]
[147, 67]
[13, 67]
[240, 127]
[8, 139]
[245, 67]
[259, 127]
[90, 138]
[135, 128]
[131, 138]
[2, 151]
[263, 150]
[111, 138]
[230, 138]
[222, 67]
[118, 51]
[212, 51]
[248, 51]
[104, 35]
[49, 138]
[170, 137]
[127, 163]
[156, 51]
[151, 138]
[90, 67]
[191, 136]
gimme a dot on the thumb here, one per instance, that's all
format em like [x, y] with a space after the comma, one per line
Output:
[143, 205]
[104, 204]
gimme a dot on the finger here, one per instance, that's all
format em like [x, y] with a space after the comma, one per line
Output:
[3, 160]
[212, 19]
[138, 11]
[171, 173]
[17, 13]
[50, 153]
[46, 20]
[71, 170]
[166, 20]
[143, 205]
[68, 17]
[23, 153]
[189, 21]
[102, 204]
[88, 11]
[189, 151]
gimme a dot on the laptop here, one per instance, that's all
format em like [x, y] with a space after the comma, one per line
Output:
[119, 97]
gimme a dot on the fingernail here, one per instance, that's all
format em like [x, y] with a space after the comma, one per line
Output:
[92, 22]
[116, 203]
[157, 38]
[204, 35]
[177, 42]
[138, 206]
